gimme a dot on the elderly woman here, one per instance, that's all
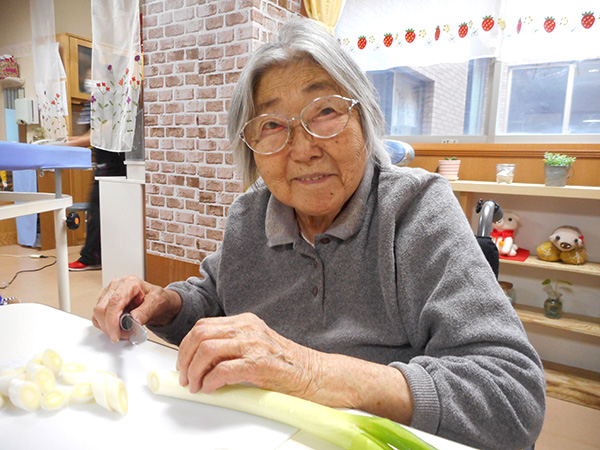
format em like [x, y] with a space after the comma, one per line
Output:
[343, 279]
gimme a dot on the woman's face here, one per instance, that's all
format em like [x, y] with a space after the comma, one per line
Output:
[314, 176]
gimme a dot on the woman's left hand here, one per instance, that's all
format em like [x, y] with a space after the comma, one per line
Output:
[235, 349]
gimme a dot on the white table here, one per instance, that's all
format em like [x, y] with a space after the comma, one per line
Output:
[152, 422]
[18, 156]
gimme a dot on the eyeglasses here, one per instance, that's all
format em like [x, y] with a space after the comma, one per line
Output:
[324, 117]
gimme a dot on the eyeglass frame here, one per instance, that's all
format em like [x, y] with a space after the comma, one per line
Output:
[353, 103]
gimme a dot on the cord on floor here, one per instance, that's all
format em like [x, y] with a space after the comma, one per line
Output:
[4, 285]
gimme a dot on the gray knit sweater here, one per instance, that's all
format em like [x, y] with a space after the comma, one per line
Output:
[398, 279]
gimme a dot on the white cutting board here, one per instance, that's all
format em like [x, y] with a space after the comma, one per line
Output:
[153, 422]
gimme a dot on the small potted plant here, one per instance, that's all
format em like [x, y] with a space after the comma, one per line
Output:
[449, 168]
[553, 305]
[557, 168]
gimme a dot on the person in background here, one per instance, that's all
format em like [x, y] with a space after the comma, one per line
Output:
[108, 164]
[342, 279]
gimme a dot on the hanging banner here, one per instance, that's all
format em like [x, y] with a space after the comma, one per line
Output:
[50, 76]
[409, 33]
[116, 74]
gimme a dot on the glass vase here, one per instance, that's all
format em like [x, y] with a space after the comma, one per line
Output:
[553, 308]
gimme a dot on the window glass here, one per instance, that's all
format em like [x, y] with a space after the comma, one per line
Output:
[556, 98]
[441, 99]
[585, 100]
[537, 99]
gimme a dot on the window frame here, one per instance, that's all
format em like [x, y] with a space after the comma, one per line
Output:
[490, 120]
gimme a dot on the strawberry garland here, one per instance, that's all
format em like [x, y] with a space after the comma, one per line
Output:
[548, 24]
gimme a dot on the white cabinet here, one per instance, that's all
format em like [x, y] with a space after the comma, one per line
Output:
[569, 346]
[122, 225]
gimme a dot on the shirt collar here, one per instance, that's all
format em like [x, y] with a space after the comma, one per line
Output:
[281, 227]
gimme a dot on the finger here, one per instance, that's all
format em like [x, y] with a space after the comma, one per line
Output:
[184, 358]
[116, 301]
[146, 305]
[114, 310]
[228, 372]
[99, 311]
[209, 355]
[188, 347]
[203, 332]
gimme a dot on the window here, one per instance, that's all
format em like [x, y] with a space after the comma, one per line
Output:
[453, 99]
[402, 94]
[480, 70]
[553, 98]
[439, 100]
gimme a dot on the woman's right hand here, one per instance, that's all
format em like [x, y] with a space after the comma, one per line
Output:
[147, 303]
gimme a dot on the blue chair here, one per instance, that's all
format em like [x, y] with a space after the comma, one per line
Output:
[400, 152]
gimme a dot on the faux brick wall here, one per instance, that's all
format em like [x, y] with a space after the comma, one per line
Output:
[193, 53]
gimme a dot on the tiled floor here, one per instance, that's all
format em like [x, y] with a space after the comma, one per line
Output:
[567, 426]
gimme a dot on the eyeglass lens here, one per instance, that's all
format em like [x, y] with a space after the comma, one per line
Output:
[323, 118]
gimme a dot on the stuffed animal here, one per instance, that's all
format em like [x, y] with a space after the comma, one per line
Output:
[565, 244]
[503, 234]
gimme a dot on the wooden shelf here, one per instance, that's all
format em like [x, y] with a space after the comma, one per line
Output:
[589, 268]
[573, 323]
[532, 190]
[563, 382]
[572, 384]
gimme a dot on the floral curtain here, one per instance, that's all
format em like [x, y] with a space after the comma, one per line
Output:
[116, 73]
[409, 33]
[325, 11]
[50, 76]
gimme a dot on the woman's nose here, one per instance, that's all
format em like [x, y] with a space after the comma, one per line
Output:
[301, 143]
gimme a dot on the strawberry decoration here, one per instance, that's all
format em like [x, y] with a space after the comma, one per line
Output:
[410, 35]
[587, 20]
[463, 29]
[437, 32]
[549, 24]
[388, 39]
[519, 25]
[362, 42]
[488, 23]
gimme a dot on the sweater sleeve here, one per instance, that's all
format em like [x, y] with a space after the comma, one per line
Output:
[477, 379]
[199, 297]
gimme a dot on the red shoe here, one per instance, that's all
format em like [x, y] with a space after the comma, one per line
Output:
[77, 266]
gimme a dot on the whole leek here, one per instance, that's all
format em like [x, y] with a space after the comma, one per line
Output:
[348, 431]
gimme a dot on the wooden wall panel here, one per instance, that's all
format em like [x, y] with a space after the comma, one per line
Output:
[8, 229]
[478, 161]
[161, 270]
[76, 183]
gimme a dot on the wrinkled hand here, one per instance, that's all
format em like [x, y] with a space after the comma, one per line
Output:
[146, 302]
[235, 349]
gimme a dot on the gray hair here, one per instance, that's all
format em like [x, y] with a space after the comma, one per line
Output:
[304, 38]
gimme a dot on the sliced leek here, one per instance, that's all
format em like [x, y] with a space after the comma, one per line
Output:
[52, 360]
[24, 394]
[117, 394]
[82, 392]
[9, 371]
[41, 375]
[109, 391]
[7, 377]
[98, 380]
[55, 399]
[348, 431]
[35, 385]
[73, 373]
